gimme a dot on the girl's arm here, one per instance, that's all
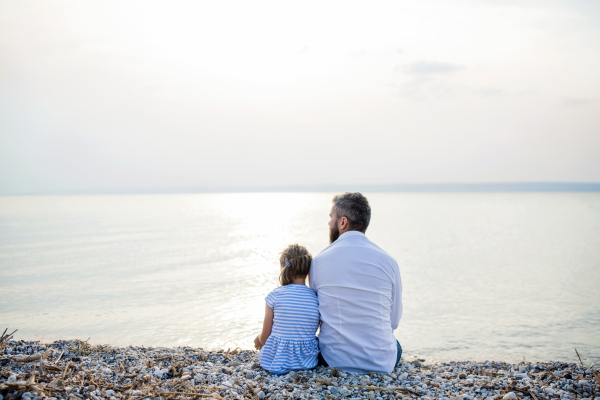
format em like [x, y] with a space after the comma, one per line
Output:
[261, 339]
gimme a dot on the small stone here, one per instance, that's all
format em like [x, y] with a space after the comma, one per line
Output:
[550, 391]
[91, 388]
[227, 384]
[462, 376]
[568, 376]
[345, 392]
[186, 377]
[136, 393]
[365, 381]
[110, 393]
[334, 390]
[27, 395]
[261, 395]
[249, 375]
[107, 371]
[510, 396]
[416, 364]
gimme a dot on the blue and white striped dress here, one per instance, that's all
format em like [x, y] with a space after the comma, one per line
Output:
[292, 344]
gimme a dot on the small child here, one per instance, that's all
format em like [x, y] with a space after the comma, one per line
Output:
[288, 340]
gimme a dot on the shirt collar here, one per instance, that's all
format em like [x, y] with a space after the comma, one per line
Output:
[346, 235]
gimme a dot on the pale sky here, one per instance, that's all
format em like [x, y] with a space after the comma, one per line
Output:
[104, 95]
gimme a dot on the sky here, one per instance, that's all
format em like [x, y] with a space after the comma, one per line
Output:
[125, 95]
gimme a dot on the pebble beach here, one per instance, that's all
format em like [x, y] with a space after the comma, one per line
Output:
[76, 370]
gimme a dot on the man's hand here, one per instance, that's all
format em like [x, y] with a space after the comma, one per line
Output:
[257, 344]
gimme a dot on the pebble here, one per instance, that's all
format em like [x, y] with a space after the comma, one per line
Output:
[550, 391]
[237, 375]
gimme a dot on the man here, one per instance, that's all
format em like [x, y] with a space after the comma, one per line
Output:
[359, 291]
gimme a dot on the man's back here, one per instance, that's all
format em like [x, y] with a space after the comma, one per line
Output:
[360, 301]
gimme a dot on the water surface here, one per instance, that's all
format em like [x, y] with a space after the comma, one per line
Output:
[486, 275]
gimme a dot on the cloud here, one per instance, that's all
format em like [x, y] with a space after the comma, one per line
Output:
[488, 92]
[431, 67]
[577, 102]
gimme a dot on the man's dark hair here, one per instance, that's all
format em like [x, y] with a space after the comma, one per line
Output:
[355, 207]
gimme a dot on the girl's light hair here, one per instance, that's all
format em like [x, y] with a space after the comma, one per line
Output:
[299, 260]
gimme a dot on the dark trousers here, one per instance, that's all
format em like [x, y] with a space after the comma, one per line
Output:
[398, 355]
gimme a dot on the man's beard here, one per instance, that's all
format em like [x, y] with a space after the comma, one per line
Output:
[334, 234]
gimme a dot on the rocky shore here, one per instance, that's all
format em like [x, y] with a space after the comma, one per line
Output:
[75, 370]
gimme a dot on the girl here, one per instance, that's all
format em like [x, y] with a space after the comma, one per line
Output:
[288, 341]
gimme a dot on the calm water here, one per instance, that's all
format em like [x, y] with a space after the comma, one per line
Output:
[486, 276]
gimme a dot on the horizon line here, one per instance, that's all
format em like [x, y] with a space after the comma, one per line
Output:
[497, 187]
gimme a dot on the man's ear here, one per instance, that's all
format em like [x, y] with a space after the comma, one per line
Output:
[344, 223]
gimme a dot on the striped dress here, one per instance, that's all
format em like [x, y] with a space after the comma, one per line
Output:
[292, 344]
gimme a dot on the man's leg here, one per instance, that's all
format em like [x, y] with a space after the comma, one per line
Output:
[321, 360]
[398, 355]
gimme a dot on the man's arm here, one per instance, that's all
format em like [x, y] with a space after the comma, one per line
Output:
[311, 277]
[396, 300]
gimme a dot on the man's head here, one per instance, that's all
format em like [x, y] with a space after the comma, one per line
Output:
[350, 212]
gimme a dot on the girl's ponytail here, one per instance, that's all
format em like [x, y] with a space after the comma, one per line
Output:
[295, 263]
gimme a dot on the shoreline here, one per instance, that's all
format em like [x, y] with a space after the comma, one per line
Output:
[76, 370]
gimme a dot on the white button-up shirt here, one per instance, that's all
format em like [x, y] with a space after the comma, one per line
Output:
[360, 301]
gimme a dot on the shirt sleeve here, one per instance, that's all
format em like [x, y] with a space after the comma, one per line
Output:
[311, 277]
[396, 300]
[270, 299]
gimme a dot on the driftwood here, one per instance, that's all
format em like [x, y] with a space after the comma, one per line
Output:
[30, 358]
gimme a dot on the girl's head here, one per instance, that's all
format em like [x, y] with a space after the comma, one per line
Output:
[295, 263]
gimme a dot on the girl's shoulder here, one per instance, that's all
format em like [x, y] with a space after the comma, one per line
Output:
[297, 291]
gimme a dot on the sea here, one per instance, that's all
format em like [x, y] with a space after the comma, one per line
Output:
[486, 276]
